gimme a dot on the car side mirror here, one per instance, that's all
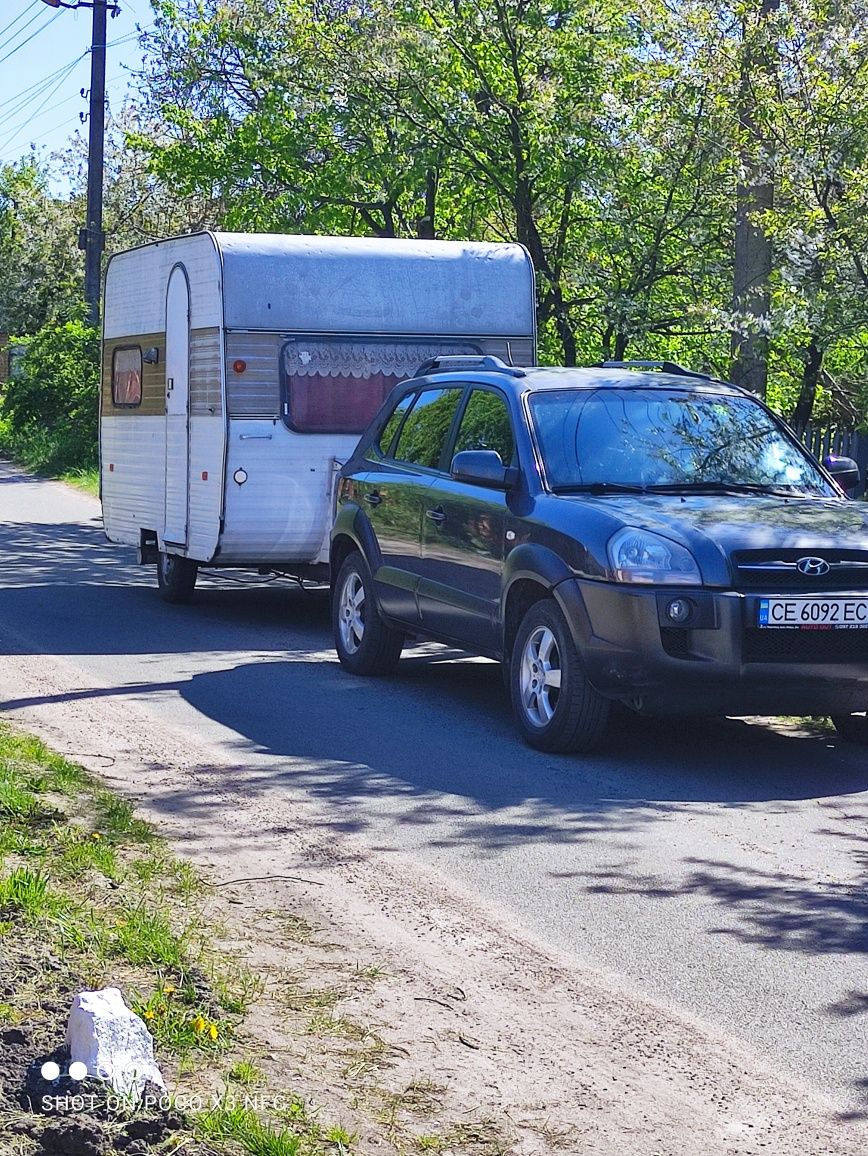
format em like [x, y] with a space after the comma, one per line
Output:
[483, 468]
[844, 470]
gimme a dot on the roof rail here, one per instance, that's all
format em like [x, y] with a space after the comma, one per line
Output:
[453, 362]
[662, 366]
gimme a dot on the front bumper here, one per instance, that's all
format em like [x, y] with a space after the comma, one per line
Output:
[720, 663]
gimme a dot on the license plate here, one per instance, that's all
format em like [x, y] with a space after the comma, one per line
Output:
[813, 614]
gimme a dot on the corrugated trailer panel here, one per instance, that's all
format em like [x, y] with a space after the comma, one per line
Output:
[133, 455]
[206, 371]
[256, 391]
[206, 486]
[279, 512]
[136, 284]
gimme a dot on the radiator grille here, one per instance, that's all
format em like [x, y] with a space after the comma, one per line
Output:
[821, 646]
[776, 570]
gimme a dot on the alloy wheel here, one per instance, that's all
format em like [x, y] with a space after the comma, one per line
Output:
[540, 676]
[351, 616]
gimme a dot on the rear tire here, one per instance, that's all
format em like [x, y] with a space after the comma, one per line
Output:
[853, 728]
[555, 707]
[365, 644]
[176, 577]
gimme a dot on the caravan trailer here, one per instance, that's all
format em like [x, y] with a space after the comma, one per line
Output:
[240, 369]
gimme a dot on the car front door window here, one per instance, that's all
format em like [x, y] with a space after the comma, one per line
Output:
[486, 425]
[427, 427]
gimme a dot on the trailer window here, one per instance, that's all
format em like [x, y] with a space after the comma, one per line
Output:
[335, 385]
[127, 376]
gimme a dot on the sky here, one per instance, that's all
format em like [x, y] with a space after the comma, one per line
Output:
[44, 64]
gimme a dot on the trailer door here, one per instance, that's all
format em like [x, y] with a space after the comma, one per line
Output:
[177, 408]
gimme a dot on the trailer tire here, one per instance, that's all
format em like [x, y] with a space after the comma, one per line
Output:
[365, 644]
[853, 728]
[176, 577]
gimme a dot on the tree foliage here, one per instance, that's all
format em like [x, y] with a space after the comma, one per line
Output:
[690, 178]
[49, 407]
[40, 266]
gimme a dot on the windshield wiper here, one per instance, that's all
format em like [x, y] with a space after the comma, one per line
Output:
[725, 488]
[600, 488]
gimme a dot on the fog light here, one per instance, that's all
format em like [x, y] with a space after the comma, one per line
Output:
[679, 611]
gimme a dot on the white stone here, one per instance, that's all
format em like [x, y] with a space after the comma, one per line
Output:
[112, 1042]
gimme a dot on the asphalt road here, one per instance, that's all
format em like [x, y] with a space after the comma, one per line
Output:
[717, 866]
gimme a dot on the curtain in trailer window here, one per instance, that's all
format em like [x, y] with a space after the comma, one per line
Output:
[336, 386]
[127, 376]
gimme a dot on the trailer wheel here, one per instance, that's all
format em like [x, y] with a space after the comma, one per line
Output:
[176, 577]
[853, 728]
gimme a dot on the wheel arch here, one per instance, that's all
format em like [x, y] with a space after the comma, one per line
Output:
[534, 572]
[352, 531]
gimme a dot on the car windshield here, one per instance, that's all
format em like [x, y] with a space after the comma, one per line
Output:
[626, 439]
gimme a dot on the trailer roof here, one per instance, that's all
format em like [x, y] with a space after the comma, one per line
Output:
[366, 285]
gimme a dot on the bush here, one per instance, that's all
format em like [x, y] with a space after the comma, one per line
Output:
[49, 412]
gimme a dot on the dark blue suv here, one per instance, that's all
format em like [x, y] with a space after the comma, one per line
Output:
[629, 533]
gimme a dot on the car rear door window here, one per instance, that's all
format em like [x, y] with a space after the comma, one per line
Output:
[425, 432]
[486, 425]
[393, 422]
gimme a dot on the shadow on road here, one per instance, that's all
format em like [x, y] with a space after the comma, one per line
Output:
[87, 597]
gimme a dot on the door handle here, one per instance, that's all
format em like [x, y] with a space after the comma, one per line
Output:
[373, 499]
[436, 516]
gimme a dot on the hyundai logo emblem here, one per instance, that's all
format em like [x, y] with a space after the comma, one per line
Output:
[813, 567]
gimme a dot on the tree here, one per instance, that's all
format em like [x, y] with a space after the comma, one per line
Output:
[39, 257]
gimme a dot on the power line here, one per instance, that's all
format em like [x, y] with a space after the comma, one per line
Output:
[36, 89]
[6, 155]
[26, 96]
[39, 84]
[15, 35]
[21, 15]
[31, 116]
[32, 36]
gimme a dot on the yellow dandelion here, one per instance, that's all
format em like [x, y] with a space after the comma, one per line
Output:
[149, 1014]
[95, 835]
[199, 1024]
[212, 1031]
[169, 989]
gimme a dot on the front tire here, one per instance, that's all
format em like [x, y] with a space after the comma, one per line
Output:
[555, 707]
[176, 577]
[853, 728]
[365, 644]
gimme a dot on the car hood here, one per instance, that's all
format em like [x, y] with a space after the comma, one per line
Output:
[713, 527]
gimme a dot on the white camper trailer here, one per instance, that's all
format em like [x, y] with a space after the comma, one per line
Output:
[238, 368]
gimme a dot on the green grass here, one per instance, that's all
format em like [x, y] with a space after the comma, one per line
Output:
[89, 886]
[27, 762]
[178, 1023]
[82, 479]
[82, 851]
[245, 1073]
[117, 820]
[26, 894]
[233, 1122]
[144, 936]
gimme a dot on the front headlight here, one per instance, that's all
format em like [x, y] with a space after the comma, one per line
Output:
[640, 556]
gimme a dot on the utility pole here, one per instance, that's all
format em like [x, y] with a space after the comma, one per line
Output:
[91, 237]
[755, 196]
[94, 241]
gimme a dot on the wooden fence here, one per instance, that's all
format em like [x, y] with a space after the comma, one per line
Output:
[824, 440]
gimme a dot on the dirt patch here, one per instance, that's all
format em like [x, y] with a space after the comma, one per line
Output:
[65, 1117]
